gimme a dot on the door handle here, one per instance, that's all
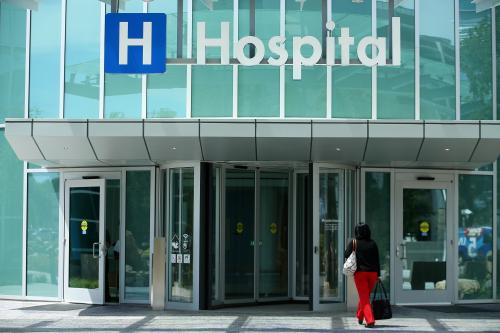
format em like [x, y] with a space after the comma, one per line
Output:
[402, 254]
[316, 250]
[93, 251]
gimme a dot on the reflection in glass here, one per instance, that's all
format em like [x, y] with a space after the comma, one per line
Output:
[81, 94]
[84, 207]
[180, 231]
[302, 245]
[330, 229]
[267, 21]
[43, 234]
[475, 63]
[212, 13]
[45, 60]
[355, 15]
[424, 239]
[137, 234]
[475, 233]
[437, 59]
[12, 58]
[171, 10]
[112, 240]
[167, 93]
[258, 91]
[212, 91]
[302, 18]
[396, 85]
[273, 235]
[239, 234]
[352, 92]
[378, 217]
[11, 220]
[306, 98]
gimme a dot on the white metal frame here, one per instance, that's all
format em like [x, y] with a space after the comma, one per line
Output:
[85, 295]
[195, 165]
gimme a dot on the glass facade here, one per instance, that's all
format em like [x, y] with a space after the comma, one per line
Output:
[137, 235]
[352, 92]
[11, 220]
[176, 18]
[476, 80]
[258, 91]
[212, 91]
[43, 235]
[45, 60]
[12, 61]
[81, 84]
[378, 217]
[166, 95]
[303, 18]
[306, 98]
[396, 85]
[475, 233]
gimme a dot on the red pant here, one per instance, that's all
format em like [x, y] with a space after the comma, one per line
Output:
[365, 281]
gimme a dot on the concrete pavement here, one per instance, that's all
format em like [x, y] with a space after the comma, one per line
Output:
[23, 316]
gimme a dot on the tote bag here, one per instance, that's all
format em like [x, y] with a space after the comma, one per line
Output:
[381, 306]
[350, 265]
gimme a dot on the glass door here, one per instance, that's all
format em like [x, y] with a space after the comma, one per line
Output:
[423, 242]
[328, 238]
[85, 247]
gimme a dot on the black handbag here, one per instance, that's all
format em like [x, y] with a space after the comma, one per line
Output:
[381, 306]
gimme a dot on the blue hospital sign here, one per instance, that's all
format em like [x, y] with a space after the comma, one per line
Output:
[135, 43]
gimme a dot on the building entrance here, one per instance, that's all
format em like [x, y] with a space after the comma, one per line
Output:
[423, 240]
[253, 234]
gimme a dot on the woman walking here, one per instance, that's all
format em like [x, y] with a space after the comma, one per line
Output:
[367, 272]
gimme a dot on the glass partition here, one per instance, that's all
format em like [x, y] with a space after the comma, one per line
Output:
[137, 235]
[43, 235]
[475, 233]
[81, 84]
[45, 60]
[378, 217]
[11, 220]
[13, 59]
[180, 234]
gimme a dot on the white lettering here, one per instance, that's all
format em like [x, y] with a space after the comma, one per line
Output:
[345, 42]
[277, 46]
[222, 42]
[259, 51]
[396, 41]
[299, 59]
[145, 42]
[379, 44]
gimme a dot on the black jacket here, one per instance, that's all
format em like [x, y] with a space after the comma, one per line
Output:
[367, 258]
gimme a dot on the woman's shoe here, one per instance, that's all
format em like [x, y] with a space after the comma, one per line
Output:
[372, 325]
[360, 321]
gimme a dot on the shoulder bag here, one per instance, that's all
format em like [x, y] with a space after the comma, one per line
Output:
[350, 265]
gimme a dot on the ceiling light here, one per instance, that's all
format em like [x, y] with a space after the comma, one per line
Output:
[447, 149]
[174, 148]
[338, 149]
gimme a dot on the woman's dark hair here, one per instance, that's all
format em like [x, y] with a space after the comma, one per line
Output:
[362, 231]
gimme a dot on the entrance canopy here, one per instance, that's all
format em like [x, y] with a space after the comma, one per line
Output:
[79, 143]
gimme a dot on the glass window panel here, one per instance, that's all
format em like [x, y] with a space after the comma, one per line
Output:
[212, 13]
[355, 15]
[43, 234]
[180, 229]
[239, 234]
[123, 93]
[81, 84]
[212, 91]
[137, 233]
[476, 100]
[273, 239]
[83, 269]
[267, 21]
[167, 93]
[112, 266]
[497, 14]
[378, 217]
[171, 10]
[396, 85]
[11, 220]
[351, 92]
[302, 239]
[12, 60]
[301, 95]
[258, 91]
[475, 232]
[45, 60]
[303, 18]
[437, 59]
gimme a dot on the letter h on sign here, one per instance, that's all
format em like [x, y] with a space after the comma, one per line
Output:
[135, 43]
